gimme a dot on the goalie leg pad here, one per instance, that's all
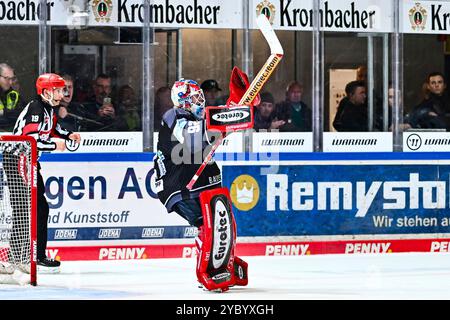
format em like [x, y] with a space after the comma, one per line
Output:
[240, 272]
[216, 260]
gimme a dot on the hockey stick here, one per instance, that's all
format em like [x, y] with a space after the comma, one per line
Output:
[276, 53]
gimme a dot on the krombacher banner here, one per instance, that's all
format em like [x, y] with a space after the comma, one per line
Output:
[334, 15]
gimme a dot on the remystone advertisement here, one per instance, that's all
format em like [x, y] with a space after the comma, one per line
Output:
[310, 199]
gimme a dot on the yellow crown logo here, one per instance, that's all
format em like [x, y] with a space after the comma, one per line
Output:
[244, 192]
[244, 195]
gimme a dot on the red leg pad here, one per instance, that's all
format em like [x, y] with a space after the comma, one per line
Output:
[216, 265]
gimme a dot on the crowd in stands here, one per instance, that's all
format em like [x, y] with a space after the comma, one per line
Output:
[105, 108]
[432, 113]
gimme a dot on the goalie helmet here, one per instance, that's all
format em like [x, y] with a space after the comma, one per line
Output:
[187, 94]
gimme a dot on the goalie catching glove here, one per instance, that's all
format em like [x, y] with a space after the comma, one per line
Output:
[233, 117]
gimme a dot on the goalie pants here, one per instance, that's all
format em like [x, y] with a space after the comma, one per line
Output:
[190, 210]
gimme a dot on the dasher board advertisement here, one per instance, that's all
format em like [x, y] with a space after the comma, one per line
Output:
[344, 198]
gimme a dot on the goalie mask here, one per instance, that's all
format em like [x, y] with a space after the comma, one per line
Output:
[187, 94]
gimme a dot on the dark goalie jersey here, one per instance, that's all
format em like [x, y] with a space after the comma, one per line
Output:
[38, 120]
[182, 144]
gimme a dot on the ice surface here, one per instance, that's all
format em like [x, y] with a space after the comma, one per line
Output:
[388, 276]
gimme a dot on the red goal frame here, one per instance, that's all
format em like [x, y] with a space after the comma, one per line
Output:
[33, 213]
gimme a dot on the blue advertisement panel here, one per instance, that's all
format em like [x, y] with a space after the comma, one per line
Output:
[339, 199]
[104, 197]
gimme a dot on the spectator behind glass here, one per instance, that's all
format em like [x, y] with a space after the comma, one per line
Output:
[100, 107]
[265, 115]
[163, 102]
[293, 111]
[211, 91]
[10, 102]
[433, 112]
[129, 116]
[403, 126]
[71, 115]
[361, 75]
[354, 112]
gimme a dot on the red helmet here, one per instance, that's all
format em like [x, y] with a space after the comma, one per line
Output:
[49, 81]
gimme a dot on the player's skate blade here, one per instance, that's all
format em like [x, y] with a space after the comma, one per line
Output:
[200, 286]
[48, 266]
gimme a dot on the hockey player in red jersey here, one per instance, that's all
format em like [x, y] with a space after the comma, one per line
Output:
[39, 121]
[183, 140]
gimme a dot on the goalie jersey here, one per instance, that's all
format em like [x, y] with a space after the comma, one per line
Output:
[182, 144]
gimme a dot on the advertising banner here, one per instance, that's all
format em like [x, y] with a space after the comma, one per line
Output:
[425, 17]
[282, 142]
[355, 16]
[231, 143]
[340, 199]
[126, 13]
[104, 206]
[107, 201]
[101, 142]
[426, 141]
[357, 142]
[348, 16]
[418, 17]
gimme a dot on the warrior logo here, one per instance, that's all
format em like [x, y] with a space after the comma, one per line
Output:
[72, 145]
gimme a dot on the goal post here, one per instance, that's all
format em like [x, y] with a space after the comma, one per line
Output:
[18, 203]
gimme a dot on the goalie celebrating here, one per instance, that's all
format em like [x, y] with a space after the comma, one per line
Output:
[183, 141]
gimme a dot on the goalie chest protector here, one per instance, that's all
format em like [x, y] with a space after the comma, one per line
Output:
[173, 176]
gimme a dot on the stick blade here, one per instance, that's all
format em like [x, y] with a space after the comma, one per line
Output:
[269, 34]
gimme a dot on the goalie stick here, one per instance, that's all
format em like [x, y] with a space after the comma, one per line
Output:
[276, 53]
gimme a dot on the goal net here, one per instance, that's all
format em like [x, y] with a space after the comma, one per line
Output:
[18, 209]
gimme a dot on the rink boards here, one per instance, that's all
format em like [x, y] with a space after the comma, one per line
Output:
[103, 206]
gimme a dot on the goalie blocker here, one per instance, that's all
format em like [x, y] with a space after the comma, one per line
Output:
[228, 119]
[217, 266]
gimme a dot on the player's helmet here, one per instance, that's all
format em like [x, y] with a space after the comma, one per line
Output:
[49, 81]
[187, 94]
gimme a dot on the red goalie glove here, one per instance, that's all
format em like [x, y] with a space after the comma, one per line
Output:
[233, 116]
[238, 86]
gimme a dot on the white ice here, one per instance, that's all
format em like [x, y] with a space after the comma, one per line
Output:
[389, 276]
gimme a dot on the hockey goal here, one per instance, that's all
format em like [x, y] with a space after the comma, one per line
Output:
[18, 179]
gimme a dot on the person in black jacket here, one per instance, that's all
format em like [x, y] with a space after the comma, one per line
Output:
[353, 116]
[265, 114]
[434, 111]
[72, 115]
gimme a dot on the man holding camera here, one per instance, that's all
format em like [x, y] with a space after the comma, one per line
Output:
[101, 109]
